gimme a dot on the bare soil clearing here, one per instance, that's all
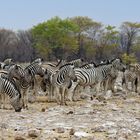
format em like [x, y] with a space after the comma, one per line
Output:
[116, 119]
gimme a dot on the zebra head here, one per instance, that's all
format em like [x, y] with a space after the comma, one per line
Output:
[17, 103]
[117, 63]
[35, 69]
[60, 63]
[71, 73]
[16, 71]
[77, 62]
[38, 60]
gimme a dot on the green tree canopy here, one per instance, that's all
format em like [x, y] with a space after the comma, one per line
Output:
[55, 33]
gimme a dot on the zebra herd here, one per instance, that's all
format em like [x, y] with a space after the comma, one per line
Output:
[57, 80]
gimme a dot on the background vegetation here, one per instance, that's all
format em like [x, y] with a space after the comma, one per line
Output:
[71, 38]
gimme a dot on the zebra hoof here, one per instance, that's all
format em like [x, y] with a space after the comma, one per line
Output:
[27, 107]
[74, 100]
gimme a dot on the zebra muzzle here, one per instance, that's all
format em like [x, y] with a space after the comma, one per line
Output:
[18, 110]
[75, 79]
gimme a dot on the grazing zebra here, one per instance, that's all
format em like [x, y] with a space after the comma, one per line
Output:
[9, 89]
[61, 81]
[14, 74]
[95, 76]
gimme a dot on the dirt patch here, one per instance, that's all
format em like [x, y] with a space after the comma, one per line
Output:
[115, 119]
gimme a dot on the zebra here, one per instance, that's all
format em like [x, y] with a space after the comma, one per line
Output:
[95, 76]
[6, 64]
[130, 75]
[61, 81]
[14, 74]
[9, 88]
[50, 70]
[29, 80]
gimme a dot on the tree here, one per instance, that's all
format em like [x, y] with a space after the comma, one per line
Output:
[86, 27]
[25, 51]
[107, 43]
[129, 33]
[8, 43]
[53, 36]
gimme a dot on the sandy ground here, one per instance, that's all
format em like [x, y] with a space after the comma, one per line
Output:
[115, 119]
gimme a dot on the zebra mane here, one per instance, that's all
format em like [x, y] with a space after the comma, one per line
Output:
[116, 59]
[83, 65]
[59, 62]
[92, 62]
[103, 64]
[51, 65]
[68, 64]
[19, 66]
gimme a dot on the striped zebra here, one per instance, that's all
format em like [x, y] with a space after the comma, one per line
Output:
[130, 76]
[14, 74]
[61, 82]
[30, 80]
[6, 64]
[51, 68]
[95, 76]
[8, 88]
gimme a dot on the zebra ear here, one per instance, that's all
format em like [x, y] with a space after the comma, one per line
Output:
[29, 71]
[46, 71]
[42, 59]
[107, 61]
[16, 67]
[19, 95]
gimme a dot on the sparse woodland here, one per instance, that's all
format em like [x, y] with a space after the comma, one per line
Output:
[71, 38]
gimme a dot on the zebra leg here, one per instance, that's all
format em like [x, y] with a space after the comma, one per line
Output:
[136, 84]
[98, 97]
[4, 101]
[106, 85]
[50, 94]
[0, 100]
[56, 93]
[65, 94]
[36, 88]
[74, 92]
[62, 96]
[71, 92]
[24, 99]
